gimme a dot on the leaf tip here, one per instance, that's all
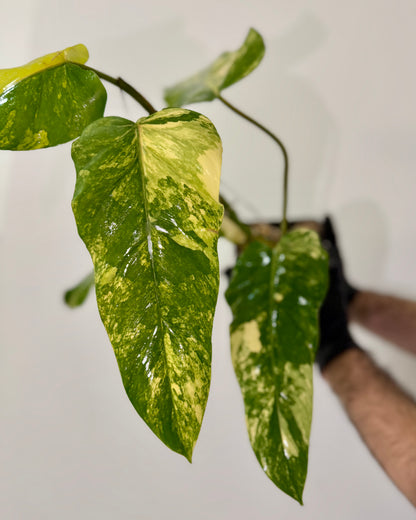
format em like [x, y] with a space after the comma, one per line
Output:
[188, 457]
[185, 451]
[299, 499]
[76, 54]
[295, 491]
[68, 299]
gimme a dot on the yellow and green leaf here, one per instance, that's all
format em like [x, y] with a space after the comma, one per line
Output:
[49, 101]
[146, 206]
[275, 296]
[226, 70]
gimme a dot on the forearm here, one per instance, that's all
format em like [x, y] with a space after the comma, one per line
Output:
[392, 318]
[383, 414]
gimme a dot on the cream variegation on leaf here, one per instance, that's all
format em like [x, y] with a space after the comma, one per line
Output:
[275, 295]
[146, 205]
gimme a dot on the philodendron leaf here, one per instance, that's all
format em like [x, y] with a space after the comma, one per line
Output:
[275, 295]
[146, 205]
[49, 101]
[226, 70]
[77, 295]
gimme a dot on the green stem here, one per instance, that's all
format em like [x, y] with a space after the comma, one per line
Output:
[283, 225]
[123, 85]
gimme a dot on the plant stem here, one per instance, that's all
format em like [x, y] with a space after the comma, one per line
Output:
[283, 225]
[123, 85]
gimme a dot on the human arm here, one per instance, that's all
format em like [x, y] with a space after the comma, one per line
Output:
[384, 415]
[388, 316]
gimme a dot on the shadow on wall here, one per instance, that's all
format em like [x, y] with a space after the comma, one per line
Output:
[299, 115]
[156, 57]
[363, 239]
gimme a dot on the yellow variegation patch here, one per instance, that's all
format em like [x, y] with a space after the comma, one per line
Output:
[75, 54]
[203, 158]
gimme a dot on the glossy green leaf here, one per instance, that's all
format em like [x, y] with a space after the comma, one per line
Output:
[77, 295]
[226, 70]
[49, 101]
[146, 205]
[275, 295]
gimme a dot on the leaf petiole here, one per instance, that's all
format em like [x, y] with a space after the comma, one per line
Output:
[283, 226]
[123, 85]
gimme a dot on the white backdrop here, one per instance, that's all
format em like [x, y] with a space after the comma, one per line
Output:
[337, 85]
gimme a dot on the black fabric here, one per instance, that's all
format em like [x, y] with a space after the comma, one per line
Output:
[335, 337]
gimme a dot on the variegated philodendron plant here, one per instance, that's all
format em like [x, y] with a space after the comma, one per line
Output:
[147, 206]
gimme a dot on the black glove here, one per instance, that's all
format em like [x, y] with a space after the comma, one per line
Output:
[335, 337]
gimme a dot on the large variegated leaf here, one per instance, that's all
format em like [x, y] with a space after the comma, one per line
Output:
[146, 205]
[226, 70]
[49, 101]
[275, 295]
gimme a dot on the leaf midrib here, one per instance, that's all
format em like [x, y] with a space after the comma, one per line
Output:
[149, 237]
[271, 335]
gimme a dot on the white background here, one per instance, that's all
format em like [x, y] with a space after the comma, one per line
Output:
[337, 84]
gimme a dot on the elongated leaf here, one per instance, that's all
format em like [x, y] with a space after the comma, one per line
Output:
[226, 70]
[275, 295]
[49, 101]
[77, 295]
[146, 205]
